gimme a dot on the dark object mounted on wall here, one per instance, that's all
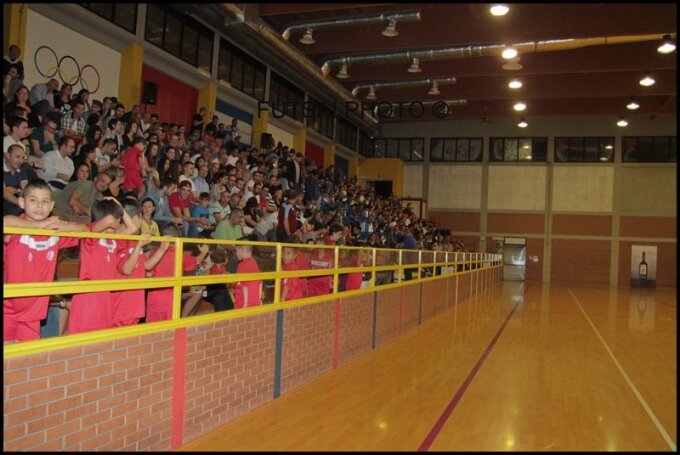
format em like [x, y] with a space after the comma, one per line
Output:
[150, 93]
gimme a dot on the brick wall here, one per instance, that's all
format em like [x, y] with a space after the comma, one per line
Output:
[389, 302]
[411, 307]
[434, 295]
[356, 326]
[113, 396]
[308, 341]
[229, 371]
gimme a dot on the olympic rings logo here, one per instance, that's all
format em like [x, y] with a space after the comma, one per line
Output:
[71, 74]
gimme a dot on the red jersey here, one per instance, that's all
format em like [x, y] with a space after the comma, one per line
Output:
[159, 301]
[296, 286]
[132, 169]
[248, 265]
[92, 310]
[31, 259]
[175, 201]
[128, 305]
[353, 279]
[320, 285]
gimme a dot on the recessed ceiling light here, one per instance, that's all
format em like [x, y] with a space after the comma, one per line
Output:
[667, 45]
[647, 81]
[632, 104]
[622, 122]
[519, 106]
[522, 123]
[509, 53]
[499, 10]
[515, 83]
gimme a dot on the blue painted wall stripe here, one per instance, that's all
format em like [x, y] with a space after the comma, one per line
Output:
[278, 353]
[232, 111]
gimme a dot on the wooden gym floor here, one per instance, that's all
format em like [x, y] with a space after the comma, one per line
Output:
[533, 367]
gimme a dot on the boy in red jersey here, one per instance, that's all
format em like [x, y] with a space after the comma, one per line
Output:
[161, 263]
[32, 259]
[247, 293]
[134, 165]
[361, 259]
[128, 307]
[291, 288]
[322, 258]
[98, 261]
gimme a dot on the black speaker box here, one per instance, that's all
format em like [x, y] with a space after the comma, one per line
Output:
[150, 93]
[266, 140]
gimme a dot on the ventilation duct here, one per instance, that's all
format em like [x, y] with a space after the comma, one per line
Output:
[352, 21]
[448, 53]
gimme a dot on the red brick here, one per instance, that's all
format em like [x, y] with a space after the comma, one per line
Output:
[62, 354]
[74, 439]
[123, 431]
[145, 444]
[26, 361]
[124, 408]
[14, 433]
[21, 417]
[112, 356]
[97, 371]
[45, 423]
[61, 430]
[56, 445]
[136, 437]
[15, 405]
[139, 350]
[126, 364]
[65, 378]
[25, 443]
[81, 387]
[81, 411]
[98, 348]
[125, 386]
[97, 394]
[126, 342]
[151, 358]
[11, 377]
[63, 405]
[97, 418]
[25, 388]
[46, 396]
[108, 425]
[47, 370]
[82, 362]
[111, 379]
[95, 443]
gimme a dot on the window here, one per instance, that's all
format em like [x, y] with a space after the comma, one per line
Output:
[320, 117]
[649, 149]
[179, 34]
[407, 149]
[365, 144]
[584, 149]
[122, 14]
[461, 149]
[518, 149]
[346, 134]
[241, 70]
[286, 97]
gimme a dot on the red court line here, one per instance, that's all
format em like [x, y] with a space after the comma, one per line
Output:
[434, 432]
[178, 388]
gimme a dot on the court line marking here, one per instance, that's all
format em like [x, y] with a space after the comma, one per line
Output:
[434, 432]
[630, 383]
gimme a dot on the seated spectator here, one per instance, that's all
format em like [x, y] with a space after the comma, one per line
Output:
[148, 225]
[106, 156]
[41, 96]
[291, 288]
[86, 157]
[13, 180]
[76, 199]
[62, 101]
[163, 214]
[179, 203]
[58, 164]
[21, 100]
[230, 228]
[218, 294]
[42, 139]
[13, 59]
[73, 123]
[202, 211]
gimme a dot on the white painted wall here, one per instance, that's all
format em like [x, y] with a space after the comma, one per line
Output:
[583, 189]
[413, 180]
[455, 187]
[280, 135]
[42, 31]
[516, 187]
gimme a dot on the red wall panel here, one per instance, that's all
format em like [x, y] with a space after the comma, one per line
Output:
[314, 154]
[176, 101]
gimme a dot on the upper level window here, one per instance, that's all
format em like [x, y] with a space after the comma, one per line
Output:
[408, 149]
[241, 70]
[122, 14]
[346, 133]
[649, 149]
[286, 98]
[180, 35]
[518, 148]
[461, 149]
[588, 149]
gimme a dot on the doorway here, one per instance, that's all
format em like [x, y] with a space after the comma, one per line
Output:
[381, 187]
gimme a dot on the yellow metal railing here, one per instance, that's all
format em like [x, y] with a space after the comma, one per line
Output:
[443, 260]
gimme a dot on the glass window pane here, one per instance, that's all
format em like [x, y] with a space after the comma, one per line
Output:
[524, 150]
[496, 149]
[576, 149]
[258, 91]
[449, 150]
[224, 64]
[462, 150]
[205, 45]
[591, 149]
[392, 148]
[155, 16]
[645, 149]
[629, 149]
[661, 150]
[476, 150]
[405, 149]
[539, 149]
[103, 9]
[237, 72]
[126, 16]
[673, 154]
[510, 150]
[380, 146]
[436, 149]
[561, 149]
[418, 149]
[189, 44]
[607, 149]
[248, 79]
[173, 31]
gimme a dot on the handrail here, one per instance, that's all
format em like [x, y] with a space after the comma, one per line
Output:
[443, 259]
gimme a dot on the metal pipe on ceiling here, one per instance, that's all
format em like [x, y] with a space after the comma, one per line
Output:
[293, 55]
[470, 51]
[363, 19]
[401, 84]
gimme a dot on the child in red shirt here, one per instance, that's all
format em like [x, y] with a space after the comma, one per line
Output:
[361, 259]
[161, 263]
[134, 166]
[322, 258]
[291, 288]
[32, 259]
[98, 261]
[247, 293]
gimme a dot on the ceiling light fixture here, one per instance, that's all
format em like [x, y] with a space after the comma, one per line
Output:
[509, 52]
[515, 83]
[415, 66]
[647, 81]
[391, 29]
[512, 65]
[307, 37]
[667, 46]
[499, 10]
[622, 122]
[371, 94]
[519, 106]
[434, 90]
[342, 74]
[522, 123]
[632, 104]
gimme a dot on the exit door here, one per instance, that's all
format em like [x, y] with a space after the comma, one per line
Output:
[514, 258]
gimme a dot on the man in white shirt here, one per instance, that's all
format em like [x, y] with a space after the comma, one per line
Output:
[58, 164]
[41, 97]
[18, 131]
[103, 156]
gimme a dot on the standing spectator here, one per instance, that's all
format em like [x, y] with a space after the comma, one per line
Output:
[287, 219]
[131, 129]
[114, 131]
[197, 123]
[212, 126]
[291, 288]
[11, 83]
[12, 58]
[249, 293]
[58, 164]
[322, 258]
[134, 166]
